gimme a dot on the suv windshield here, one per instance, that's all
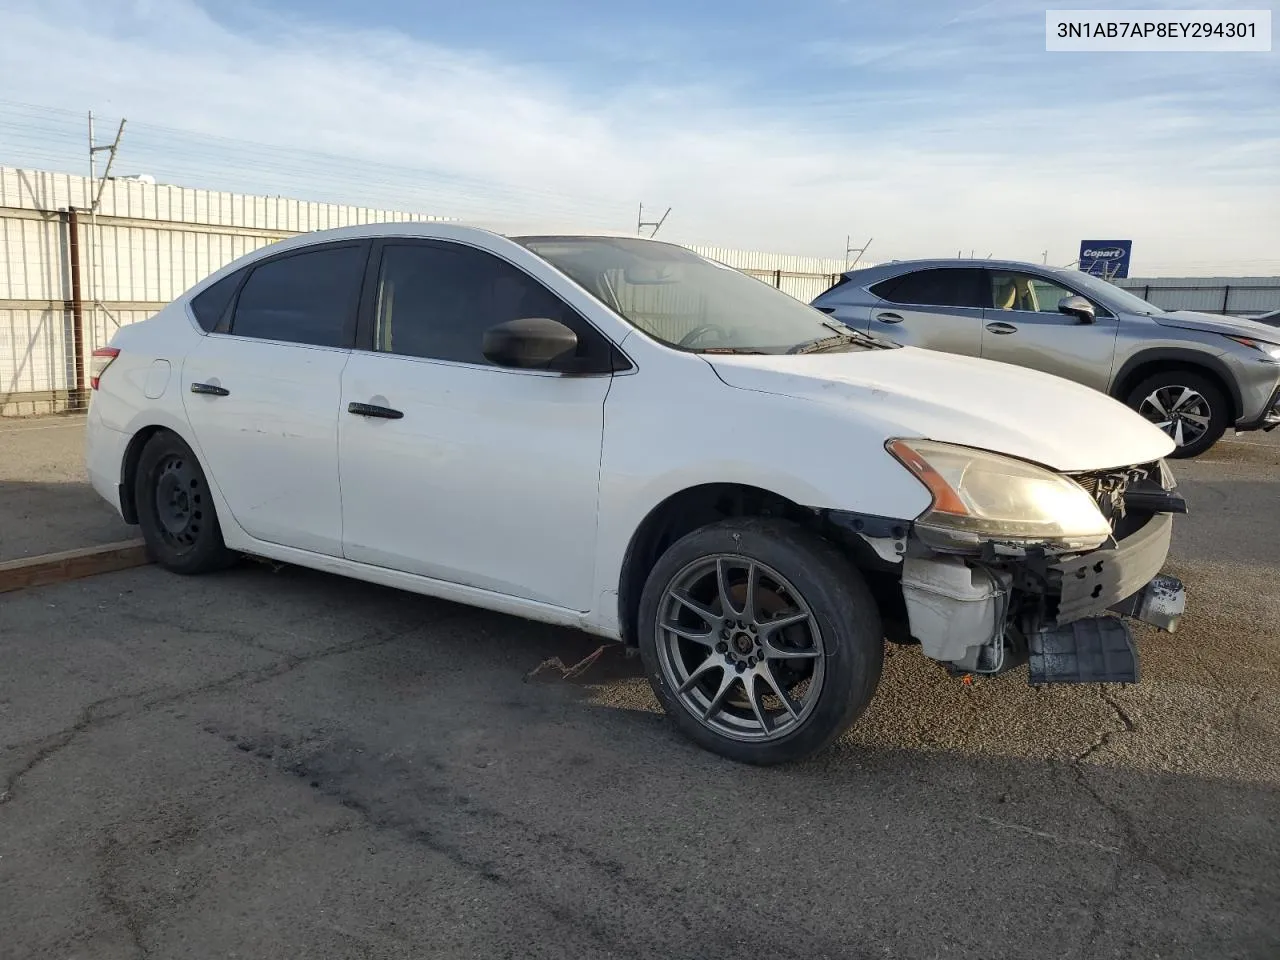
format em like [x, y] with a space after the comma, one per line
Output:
[687, 301]
[1117, 298]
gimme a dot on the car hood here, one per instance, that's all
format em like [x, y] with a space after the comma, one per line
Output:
[1214, 323]
[911, 392]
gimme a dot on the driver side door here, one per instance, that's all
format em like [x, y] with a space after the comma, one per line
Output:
[454, 468]
[1024, 327]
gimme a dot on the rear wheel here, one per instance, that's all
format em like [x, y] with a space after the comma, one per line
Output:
[175, 508]
[1188, 406]
[760, 639]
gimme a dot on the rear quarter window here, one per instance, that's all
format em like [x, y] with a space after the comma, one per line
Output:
[210, 304]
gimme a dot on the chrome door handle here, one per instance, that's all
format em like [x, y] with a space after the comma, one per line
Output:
[888, 318]
[999, 326]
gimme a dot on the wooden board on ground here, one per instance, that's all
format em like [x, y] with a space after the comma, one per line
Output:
[71, 564]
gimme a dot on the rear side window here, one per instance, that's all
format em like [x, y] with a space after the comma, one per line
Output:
[943, 287]
[209, 305]
[308, 297]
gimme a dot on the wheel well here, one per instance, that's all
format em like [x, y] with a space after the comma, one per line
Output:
[1150, 368]
[701, 506]
[129, 471]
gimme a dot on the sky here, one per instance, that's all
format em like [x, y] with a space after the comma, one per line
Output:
[931, 127]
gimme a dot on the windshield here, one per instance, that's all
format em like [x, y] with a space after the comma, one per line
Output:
[1115, 297]
[687, 301]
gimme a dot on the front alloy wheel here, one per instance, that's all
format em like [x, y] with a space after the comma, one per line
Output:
[741, 648]
[760, 639]
[1189, 407]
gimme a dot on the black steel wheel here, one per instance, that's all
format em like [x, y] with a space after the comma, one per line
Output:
[175, 508]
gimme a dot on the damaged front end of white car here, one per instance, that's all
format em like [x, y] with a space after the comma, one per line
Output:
[1014, 563]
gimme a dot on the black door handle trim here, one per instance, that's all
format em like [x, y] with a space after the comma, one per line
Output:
[210, 390]
[888, 318]
[373, 410]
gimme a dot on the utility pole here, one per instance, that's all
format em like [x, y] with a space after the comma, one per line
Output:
[1044, 257]
[851, 262]
[656, 224]
[95, 188]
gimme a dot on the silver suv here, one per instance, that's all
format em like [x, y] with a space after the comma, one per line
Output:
[1192, 374]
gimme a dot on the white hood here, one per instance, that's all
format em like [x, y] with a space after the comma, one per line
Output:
[953, 399]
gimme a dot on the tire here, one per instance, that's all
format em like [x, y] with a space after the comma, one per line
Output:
[828, 676]
[1205, 412]
[175, 509]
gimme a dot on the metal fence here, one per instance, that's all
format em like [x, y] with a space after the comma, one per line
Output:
[1238, 296]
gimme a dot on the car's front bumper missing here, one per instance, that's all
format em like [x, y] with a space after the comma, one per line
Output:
[1095, 582]
[1066, 617]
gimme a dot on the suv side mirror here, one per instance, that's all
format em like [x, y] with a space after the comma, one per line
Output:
[530, 343]
[1077, 307]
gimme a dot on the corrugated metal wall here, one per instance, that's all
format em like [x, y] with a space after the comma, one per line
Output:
[802, 277]
[150, 243]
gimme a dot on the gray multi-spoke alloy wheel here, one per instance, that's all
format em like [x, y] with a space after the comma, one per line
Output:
[760, 639]
[1187, 406]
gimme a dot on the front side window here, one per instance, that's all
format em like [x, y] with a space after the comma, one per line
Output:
[688, 301]
[437, 300]
[1111, 296]
[940, 287]
[1025, 291]
[308, 297]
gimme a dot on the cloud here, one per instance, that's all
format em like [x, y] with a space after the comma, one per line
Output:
[928, 160]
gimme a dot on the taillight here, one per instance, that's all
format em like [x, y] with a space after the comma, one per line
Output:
[99, 362]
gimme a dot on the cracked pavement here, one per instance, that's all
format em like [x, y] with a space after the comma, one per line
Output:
[281, 763]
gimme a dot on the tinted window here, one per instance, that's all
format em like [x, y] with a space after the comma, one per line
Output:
[305, 298]
[946, 287]
[1024, 291]
[210, 304]
[437, 301]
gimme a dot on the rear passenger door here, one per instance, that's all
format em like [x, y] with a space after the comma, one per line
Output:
[938, 308]
[262, 390]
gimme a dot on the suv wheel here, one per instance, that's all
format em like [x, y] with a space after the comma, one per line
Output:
[760, 639]
[1188, 406]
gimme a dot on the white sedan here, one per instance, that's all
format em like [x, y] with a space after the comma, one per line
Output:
[620, 436]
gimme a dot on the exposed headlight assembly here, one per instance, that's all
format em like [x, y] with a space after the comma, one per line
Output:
[980, 496]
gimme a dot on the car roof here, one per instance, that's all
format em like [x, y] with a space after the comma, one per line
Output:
[895, 267]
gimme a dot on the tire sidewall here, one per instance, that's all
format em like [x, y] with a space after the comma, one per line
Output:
[840, 601]
[1213, 395]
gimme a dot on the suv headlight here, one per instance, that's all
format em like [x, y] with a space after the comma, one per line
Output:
[1272, 350]
[980, 496]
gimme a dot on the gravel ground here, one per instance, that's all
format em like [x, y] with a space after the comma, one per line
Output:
[281, 763]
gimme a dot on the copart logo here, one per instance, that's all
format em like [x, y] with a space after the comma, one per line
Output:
[1103, 253]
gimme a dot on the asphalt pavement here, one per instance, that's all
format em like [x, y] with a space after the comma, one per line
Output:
[271, 762]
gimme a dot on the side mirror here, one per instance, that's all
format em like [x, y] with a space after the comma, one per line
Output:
[1077, 307]
[530, 343]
